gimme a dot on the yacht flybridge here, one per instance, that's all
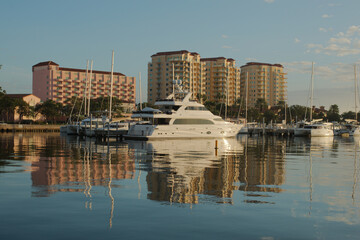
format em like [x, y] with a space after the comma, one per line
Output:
[180, 117]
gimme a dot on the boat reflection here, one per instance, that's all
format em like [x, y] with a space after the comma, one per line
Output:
[192, 170]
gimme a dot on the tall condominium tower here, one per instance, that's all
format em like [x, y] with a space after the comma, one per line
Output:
[216, 78]
[265, 81]
[168, 66]
[59, 84]
[220, 79]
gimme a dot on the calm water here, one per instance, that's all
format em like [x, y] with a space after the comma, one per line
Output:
[60, 187]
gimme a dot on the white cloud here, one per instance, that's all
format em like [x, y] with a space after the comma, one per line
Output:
[352, 30]
[296, 40]
[356, 43]
[325, 30]
[251, 59]
[340, 40]
[326, 16]
[224, 36]
[322, 30]
[342, 44]
[269, 1]
[225, 46]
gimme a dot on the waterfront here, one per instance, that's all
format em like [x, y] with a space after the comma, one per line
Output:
[55, 187]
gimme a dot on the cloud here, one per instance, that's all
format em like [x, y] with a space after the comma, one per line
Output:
[296, 40]
[342, 44]
[224, 36]
[326, 16]
[251, 59]
[269, 1]
[340, 40]
[334, 4]
[325, 30]
[225, 46]
[352, 30]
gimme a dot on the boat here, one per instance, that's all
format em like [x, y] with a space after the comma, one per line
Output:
[88, 125]
[314, 129]
[178, 116]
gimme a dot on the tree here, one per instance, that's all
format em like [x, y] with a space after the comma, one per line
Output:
[50, 110]
[261, 104]
[333, 113]
[269, 116]
[22, 108]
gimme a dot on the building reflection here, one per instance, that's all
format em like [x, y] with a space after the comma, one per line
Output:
[81, 164]
[191, 171]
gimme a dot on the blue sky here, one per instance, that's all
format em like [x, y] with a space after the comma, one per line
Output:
[291, 32]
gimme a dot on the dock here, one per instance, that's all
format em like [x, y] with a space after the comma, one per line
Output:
[29, 128]
[271, 131]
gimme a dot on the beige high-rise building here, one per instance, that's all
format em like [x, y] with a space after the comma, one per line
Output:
[265, 81]
[212, 77]
[221, 80]
[184, 64]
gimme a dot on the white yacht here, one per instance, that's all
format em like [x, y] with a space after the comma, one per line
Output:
[314, 129]
[180, 117]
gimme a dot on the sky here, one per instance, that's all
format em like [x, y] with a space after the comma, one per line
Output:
[294, 33]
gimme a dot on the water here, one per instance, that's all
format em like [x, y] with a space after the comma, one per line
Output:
[60, 187]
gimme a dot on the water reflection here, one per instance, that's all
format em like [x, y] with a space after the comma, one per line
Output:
[191, 171]
[175, 171]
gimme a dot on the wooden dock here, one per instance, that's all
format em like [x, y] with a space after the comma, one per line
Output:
[29, 128]
[271, 131]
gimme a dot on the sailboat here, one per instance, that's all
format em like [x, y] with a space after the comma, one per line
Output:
[314, 128]
[355, 128]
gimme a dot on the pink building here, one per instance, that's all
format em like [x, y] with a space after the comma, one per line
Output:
[59, 84]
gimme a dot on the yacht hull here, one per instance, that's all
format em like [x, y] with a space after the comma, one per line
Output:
[145, 132]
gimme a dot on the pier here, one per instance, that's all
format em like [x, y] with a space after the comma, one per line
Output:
[29, 128]
[271, 131]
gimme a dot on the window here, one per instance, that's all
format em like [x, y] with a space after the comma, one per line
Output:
[192, 121]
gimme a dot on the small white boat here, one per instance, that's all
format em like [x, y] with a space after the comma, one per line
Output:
[314, 129]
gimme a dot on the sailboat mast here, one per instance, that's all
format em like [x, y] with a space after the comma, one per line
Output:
[86, 85]
[312, 90]
[227, 95]
[355, 92]
[173, 79]
[89, 94]
[140, 91]
[111, 84]
[246, 97]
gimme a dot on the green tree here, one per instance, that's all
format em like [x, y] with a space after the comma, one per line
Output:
[270, 116]
[333, 113]
[50, 110]
[22, 108]
[261, 104]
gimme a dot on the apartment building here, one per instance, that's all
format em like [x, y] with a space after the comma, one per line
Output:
[265, 81]
[50, 81]
[176, 65]
[221, 79]
[212, 77]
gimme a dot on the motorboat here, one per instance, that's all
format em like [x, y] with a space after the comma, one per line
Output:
[178, 116]
[314, 129]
